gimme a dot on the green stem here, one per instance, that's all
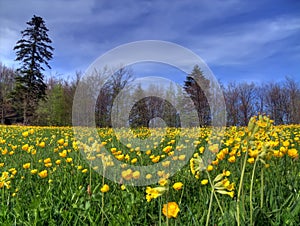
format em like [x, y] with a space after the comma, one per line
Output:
[251, 192]
[160, 208]
[240, 189]
[102, 200]
[209, 208]
[262, 188]
[212, 186]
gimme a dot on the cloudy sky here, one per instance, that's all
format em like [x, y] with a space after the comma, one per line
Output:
[239, 40]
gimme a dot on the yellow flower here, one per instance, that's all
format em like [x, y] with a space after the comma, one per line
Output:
[42, 144]
[293, 153]
[167, 149]
[204, 182]
[251, 160]
[43, 174]
[84, 171]
[226, 173]
[69, 160]
[1, 164]
[48, 164]
[155, 159]
[163, 181]
[170, 209]
[134, 160]
[105, 188]
[148, 176]
[286, 143]
[196, 165]
[209, 168]
[26, 165]
[63, 154]
[25, 147]
[153, 193]
[61, 141]
[136, 174]
[224, 192]
[178, 186]
[57, 162]
[127, 174]
[166, 163]
[231, 159]
[25, 134]
[34, 171]
[123, 187]
[47, 160]
[181, 157]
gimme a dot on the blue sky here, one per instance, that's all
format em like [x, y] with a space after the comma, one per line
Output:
[239, 40]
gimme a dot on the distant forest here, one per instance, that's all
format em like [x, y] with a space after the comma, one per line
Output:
[279, 100]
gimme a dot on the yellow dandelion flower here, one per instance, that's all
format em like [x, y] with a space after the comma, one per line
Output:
[178, 186]
[171, 209]
[105, 188]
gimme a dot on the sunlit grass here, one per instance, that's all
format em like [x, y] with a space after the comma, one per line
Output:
[45, 179]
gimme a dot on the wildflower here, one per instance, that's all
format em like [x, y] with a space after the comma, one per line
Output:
[148, 176]
[209, 168]
[26, 165]
[68, 160]
[25, 134]
[61, 141]
[136, 174]
[57, 162]
[163, 181]
[84, 171]
[134, 160]
[204, 182]
[123, 187]
[24, 147]
[42, 144]
[34, 171]
[63, 154]
[43, 174]
[196, 165]
[153, 193]
[155, 159]
[127, 174]
[47, 160]
[178, 186]
[166, 163]
[231, 159]
[170, 209]
[293, 153]
[251, 160]
[167, 149]
[105, 188]
[48, 164]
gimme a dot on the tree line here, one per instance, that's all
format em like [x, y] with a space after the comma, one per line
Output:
[27, 98]
[279, 100]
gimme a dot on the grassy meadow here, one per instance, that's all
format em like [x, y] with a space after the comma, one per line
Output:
[253, 178]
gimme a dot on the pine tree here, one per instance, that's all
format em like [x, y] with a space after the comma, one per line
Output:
[199, 94]
[33, 51]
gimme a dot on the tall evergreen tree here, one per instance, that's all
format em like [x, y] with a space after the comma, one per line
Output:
[199, 94]
[33, 50]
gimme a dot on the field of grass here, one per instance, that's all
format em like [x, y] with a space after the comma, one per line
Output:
[47, 177]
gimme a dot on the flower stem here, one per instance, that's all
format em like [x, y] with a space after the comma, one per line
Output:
[211, 184]
[240, 189]
[262, 188]
[251, 192]
[209, 208]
